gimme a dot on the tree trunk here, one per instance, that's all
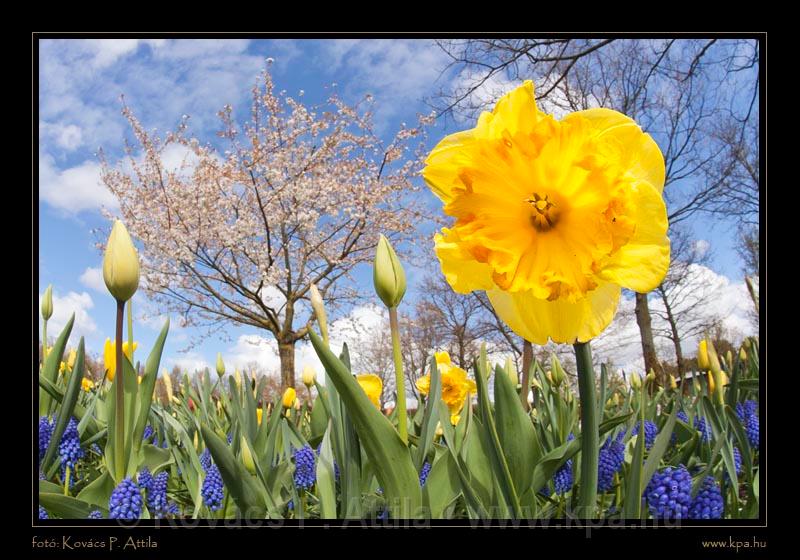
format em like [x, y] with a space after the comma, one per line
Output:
[646, 332]
[676, 339]
[527, 358]
[286, 354]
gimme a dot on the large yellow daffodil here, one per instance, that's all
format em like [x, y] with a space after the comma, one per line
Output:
[455, 383]
[552, 218]
[110, 355]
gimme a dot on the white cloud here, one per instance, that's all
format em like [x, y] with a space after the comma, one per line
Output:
[189, 362]
[395, 72]
[701, 247]
[74, 189]
[66, 136]
[93, 278]
[63, 308]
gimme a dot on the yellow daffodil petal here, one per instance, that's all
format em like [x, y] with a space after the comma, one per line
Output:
[442, 358]
[372, 386]
[641, 264]
[463, 272]
[424, 384]
[562, 321]
[631, 148]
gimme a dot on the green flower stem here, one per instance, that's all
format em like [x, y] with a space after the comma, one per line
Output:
[66, 481]
[119, 421]
[44, 341]
[400, 380]
[130, 328]
[589, 434]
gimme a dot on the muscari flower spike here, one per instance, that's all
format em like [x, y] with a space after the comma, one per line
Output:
[650, 433]
[148, 432]
[423, 474]
[212, 490]
[45, 433]
[304, 470]
[96, 514]
[157, 494]
[205, 459]
[562, 479]
[752, 428]
[126, 501]
[669, 493]
[70, 447]
[610, 459]
[43, 513]
[708, 502]
[701, 426]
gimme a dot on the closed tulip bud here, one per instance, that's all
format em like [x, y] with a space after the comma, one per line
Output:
[167, 384]
[289, 397]
[535, 382]
[549, 375]
[388, 275]
[711, 383]
[569, 398]
[534, 413]
[247, 457]
[309, 376]
[729, 358]
[702, 355]
[439, 430]
[673, 384]
[512, 371]
[616, 399]
[220, 365]
[636, 381]
[121, 264]
[196, 441]
[557, 372]
[191, 404]
[259, 415]
[651, 377]
[742, 354]
[319, 310]
[237, 377]
[47, 303]
[697, 387]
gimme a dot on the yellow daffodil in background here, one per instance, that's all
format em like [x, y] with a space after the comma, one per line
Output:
[673, 384]
[455, 383]
[69, 364]
[110, 356]
[373, 387]
[87, 384]
[552, 217]
[259, 415]
[289, 396]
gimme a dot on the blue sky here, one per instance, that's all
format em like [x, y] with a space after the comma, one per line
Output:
[79, 111]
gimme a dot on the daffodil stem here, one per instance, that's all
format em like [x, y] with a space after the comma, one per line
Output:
[400, 379]
[130, 328]
[589, 434]
[119, 419]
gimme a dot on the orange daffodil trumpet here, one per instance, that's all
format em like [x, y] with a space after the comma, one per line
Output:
[455, 385]
[552, 217]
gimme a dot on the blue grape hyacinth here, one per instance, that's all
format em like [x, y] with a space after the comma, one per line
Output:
[702, 426]
[611, 457]
[423, 474]
[669, 493]
[752, 428]
[205, 459]
[563, 478]
[126, 501]
[43, 513]
[212, 490]
[45, 433]
[708, 503]
[145, 478]
[650, 433]
[96, 514]
[157, 494]
[305, 474]
[70, 447]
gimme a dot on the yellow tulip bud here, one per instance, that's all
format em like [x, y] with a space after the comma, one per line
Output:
[636, 381]
[711, 384]
[388, 275]
[439, 430]
[549, 375]
[289, 397]
[557, 372]
[651, 377]
[729, 359]
[535, 382]
[196, 441]
[319, 310]
[167, 384]
[534, 413]
[47, 303]
[673, 384]
[309, 376]
[372, 386]
[121, 264]
[454, 418]
[259, 415]
[247, 457]
[237, 377]
[220, 365]
[139, 379]
[702, 356]
[742, 354]
[616, 399]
